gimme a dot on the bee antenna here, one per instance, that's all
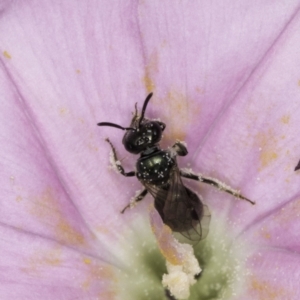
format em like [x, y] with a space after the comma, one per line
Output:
[144, 108]
[114, 125]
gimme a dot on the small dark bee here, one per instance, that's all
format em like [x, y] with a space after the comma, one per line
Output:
[179, 207]
[297, 167]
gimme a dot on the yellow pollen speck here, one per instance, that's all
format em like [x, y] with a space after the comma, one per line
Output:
[78, 71]
[40, 259]
[148, 83]
[65, 231]
[53, 259]
[6, 55]
[151, 68]
[96, 272]
[265, 233]
[19, 198]
[285, 119]
[63, 111]
[47, 206]
[87, 260]
[267, 157]
[184, 111]
[268, 291]
[268, 148]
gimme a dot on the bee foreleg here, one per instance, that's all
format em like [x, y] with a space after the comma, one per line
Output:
[215, 183]
[115, 162]
[138, 197]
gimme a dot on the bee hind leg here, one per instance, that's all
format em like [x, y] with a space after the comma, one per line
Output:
[138, 197]
[215, 183]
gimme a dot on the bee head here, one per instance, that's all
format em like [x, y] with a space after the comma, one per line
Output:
[142, 133]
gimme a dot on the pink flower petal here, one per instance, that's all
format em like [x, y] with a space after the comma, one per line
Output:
[61, 93]
[257, 149]
[199, 57]
[33, 267]
[275, 274]
[225, 79]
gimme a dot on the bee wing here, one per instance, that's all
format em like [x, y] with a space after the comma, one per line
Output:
[160, 194]
[180, 208]
[185, 209]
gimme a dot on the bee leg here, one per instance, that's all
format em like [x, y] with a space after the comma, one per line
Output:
[180, 148]
[215, 183]
[140, 196]
[116, 164]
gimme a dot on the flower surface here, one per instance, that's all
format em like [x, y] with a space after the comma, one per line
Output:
[226, 79]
